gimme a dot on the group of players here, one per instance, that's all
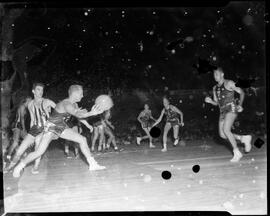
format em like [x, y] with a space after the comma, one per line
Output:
[66, 118]
[223, 96]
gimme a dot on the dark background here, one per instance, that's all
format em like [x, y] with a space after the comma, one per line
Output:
[100, 46]
[122, 51]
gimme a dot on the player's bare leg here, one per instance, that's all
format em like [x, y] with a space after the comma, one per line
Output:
[71, 135]
[147, 131]
[95, 137]
[66, 147]
[101, 138]
[167, 127]
[15, 143]
[37, 161]
[175, 134]
[111, 139]
[46, 139]
[228, 122]
[26, 143]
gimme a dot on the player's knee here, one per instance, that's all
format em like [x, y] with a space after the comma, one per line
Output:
[227, 131]
[222, 135]
[39, 152]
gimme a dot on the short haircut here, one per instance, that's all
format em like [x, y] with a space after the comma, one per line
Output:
[74, 88]
[165, 97]
[37, 84]
[219, 69]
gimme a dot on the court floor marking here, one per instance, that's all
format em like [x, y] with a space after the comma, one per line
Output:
[122, 150]
[192, 159]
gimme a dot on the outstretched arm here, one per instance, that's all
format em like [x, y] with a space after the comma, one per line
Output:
[79, 113]
[69, 108]
[50, 103]
[152, 116]
[160, 118]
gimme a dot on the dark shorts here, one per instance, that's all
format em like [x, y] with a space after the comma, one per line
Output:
[18, 126]
[35, 130]
[72, 122]
[174, 122]
[97, 124]
[228, 108]
[56, 128]
[18, 133]
[147, 124]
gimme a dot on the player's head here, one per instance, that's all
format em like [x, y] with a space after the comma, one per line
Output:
[218, 74]
[38, 89]
[146, 106]
[75, 92]
[166, 102]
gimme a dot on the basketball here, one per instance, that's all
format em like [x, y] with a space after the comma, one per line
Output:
[104, 102]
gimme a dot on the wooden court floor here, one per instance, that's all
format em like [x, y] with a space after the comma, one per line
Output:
[133, 181]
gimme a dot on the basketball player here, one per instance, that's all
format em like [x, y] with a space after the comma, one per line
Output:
[39, 109]
[19, 130]
[98, 132]
[75, 124]
[56, 127]
[144, 118]
[172, 121]
[108, 127]
[223, 94]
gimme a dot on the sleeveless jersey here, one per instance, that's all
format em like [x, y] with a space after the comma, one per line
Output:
[40, 116]
[224, 96]
[170, 114]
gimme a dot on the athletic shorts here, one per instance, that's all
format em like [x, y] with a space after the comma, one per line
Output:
[228, 108]
[18, 132]
[147, 124]
[56, 128]
[174, 121]
[18, 126]
[35, 130]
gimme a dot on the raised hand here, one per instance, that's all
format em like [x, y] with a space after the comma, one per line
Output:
[208, 100]
[96, 109]
[239, 108]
